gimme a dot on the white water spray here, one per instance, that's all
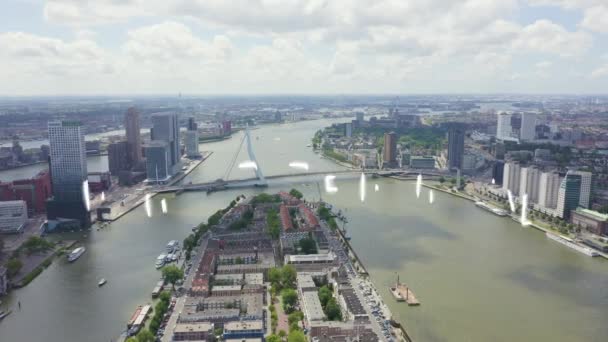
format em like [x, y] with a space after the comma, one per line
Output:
[163, 205]
[493, 181]
[418, 185]
[248, 164]
[148, 205]
[299, 165]
[511, 201]
[431, 196]
[376, 188]
[103, 196]
[524, 210]
[85, 195]
[362, 183]
[330, 185]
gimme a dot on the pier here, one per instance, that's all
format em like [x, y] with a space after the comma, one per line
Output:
[403, 293]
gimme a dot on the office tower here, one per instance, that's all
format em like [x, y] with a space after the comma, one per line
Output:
[119, 157]
[13, 216]
[165, 127]
[498, 172]
[586, 178]
[133, 136]
[389, 155]
[527, 131]
[510, 180]
[68, 165]
[226, 127]
[569, 195]
[529, 181]
[158, 161]
[191, 139]
[348, 129]
[455, 146]
[360, 117]
[548, 189]
[503, 127]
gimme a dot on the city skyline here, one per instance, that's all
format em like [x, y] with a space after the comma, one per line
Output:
[63, 47]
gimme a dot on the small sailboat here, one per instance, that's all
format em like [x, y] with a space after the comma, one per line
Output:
[102, 282]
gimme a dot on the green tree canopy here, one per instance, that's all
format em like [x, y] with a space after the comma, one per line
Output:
[308, 246]
[289, 276]
[172, 274]
[145, 336]
[325, 295]
[296, 336]
[290, 298]
[273, 338]
[295, 193]
[332, 310]
[13, 266]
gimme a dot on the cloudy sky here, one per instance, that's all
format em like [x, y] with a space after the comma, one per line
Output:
[57, 47]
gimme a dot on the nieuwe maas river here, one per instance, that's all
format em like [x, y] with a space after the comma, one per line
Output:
[479, 277]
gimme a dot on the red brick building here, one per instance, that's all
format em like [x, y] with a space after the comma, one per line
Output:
[34, 191]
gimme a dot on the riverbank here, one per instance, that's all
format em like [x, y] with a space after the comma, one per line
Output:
[35, 263]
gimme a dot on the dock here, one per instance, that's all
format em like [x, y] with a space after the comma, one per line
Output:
[403, 293]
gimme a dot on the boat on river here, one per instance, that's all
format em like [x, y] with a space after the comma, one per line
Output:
[495, 211]
[76, 253]
[570, 243]
[102, 282]
[4, 314]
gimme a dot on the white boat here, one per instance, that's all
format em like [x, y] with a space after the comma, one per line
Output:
[160, 261]
[76, 253]
[172, 246]
[568, 242]
[495, 211]
[102, 282]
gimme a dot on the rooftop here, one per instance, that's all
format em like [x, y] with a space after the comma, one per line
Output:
[591, 213]
[192, 327]
[312, 306]
[243, 325]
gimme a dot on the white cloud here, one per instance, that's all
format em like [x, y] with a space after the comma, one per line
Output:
[596, 19]
[548, 37]
[601, 72]
[544, 64]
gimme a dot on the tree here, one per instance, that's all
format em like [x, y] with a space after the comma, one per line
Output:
[441, 179]
[295, 193]
[332, 310]
[289, 276]
[275, 275]
[145, 336]
[308, 246]
[453, 181]
[273, 338]
[295, 317]
[290, 298]
[172, 274]
[325, 295]
[296, 336]
[282, 334]
[13, 266]
[131, 339]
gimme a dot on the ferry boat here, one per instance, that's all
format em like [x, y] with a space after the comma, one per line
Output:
[160, 261]
[569, 243]
[102, 282]
[76, 253]
[495, 211]
[172, 246]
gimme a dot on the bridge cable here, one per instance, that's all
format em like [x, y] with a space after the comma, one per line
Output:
[233, 161]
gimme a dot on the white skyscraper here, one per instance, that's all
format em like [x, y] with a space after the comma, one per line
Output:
[504, 131]
[511, 176]
[528, 127]
[585, 196]
[548, 189]
[529, 183]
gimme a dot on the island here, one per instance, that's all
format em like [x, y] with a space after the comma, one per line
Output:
[269, 267]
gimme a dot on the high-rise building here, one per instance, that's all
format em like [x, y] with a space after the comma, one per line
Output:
[348, 129]
[118, 157]
[510, 180]
[586, 178]
[360, 117]
[13, 215]
[68, 165]
[34, 191]
[158, 161]
[569, 195]
[165, 127]
[226, 127]
[548, 189]
[389, 154]
[455, 146]
[529, 181]
[133, 136]
[527, 131]
[504, 131]
[498, 172]
[191, 139]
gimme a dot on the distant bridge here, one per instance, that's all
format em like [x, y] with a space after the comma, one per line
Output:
[221, 184]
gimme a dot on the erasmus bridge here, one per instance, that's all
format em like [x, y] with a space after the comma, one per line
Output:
[259, 180]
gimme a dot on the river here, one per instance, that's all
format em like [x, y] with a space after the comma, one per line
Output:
[479, 277]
